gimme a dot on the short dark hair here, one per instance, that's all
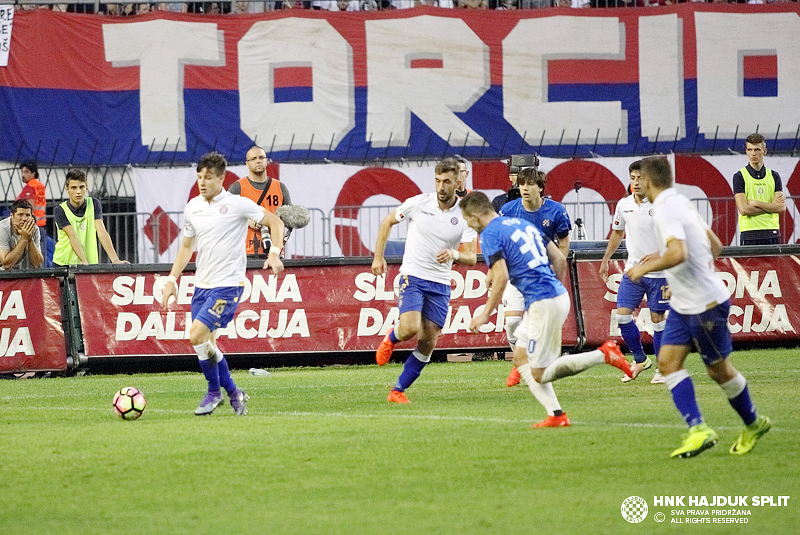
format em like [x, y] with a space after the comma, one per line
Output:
[75, 174]
[32, 167]
[476, 202]
[755, 139]
[532, 175]
[213, 161]
[635, 166]
[448, 165]
[21, 203]
[658, 171]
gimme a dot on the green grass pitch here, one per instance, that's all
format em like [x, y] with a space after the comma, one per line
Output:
[322, 452]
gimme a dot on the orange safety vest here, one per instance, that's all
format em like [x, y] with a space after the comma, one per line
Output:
[273, 199]
[38, 200]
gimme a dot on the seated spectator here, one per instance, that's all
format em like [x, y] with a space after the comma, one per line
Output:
[20, 239]
[344, 5]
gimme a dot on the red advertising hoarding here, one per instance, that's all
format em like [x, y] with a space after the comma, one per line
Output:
[306, 309]
[762, 290]
[31, 335]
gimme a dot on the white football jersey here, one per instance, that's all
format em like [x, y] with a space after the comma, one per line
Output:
[694, 283]
[431, 229]
[636, 219]
[219, 228]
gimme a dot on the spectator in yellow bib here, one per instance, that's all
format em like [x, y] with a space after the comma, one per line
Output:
[759, 197]
[80, 225]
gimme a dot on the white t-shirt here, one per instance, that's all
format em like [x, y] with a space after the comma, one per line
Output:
[636, 219]
[430, 230]
[220, 230]
[694, 284]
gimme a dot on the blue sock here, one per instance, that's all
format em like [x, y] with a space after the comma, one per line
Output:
[393, 337]
[211, 372]
[632, 337]
[743, 405]
[657, 341]
[225, 379]
[683, 397]
[411, 370]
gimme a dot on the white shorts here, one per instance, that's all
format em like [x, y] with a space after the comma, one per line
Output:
[513, 299]
[539, 332]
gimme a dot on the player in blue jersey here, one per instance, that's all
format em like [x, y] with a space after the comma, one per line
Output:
[698, 318]
[435, 230]
[633, 220]
[552, 221]
[516, 250]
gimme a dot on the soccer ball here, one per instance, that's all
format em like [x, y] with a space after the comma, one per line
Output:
[129, 403]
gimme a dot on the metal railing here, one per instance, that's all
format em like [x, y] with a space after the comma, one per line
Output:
[351, 231]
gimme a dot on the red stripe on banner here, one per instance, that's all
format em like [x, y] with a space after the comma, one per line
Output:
[292, 77]
[759, 67]
[427, 63]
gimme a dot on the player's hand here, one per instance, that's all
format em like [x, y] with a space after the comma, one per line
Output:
[478, 321]
[168, 290]
[780, 197]
[648, 257]
[604, 269]
[379, 266]
[273, 263]
[27, 228]
[636, 273]
[445, 255]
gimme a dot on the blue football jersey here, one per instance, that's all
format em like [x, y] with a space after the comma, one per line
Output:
[551, 218]
[524, 249]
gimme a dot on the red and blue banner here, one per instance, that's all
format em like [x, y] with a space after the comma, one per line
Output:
[164, 87]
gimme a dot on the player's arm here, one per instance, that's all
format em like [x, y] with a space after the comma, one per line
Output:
[557, 260]
[10, 257]
[75, 243]
[105, 241]
[613, 244]
[563, 245]
[677, 252]
[716, 243]
[378, 261]
[185, 251]
[467, 254]
[276, 229]
[496, 280]
[35, 256]
[777, 206]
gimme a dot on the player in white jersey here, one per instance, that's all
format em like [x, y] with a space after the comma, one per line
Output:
[633, 220]
[699, 306]
[215, 225]
[435, 230]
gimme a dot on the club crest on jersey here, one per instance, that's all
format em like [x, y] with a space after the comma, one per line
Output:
[546, 223]
[223, 209]
[454, 220]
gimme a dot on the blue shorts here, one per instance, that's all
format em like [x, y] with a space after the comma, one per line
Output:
[707, 331]
[430, 298]
[630, 293]
[215, 307]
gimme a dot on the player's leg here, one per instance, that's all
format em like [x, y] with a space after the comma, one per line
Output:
[436, 299]
[514, 308]
[629, 297]
[675, 348]
[714, 341]
[409, 323]
[658, 303]
[538, 344]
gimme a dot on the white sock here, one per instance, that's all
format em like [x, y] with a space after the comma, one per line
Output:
[205, 351]
[544, 393]
[735, 386]
[571, 364]
[512, 322]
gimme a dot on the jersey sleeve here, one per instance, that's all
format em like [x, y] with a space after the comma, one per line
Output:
[738, 183]
[490, 246]
[669, 224]
[235, 188]
[60, 217]
[188, 228]
[287, 199]
[98, 209]
[778, 182]
[249, 209]
[407, 208]
[469, 235]
[619, 220]
[563, 224]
